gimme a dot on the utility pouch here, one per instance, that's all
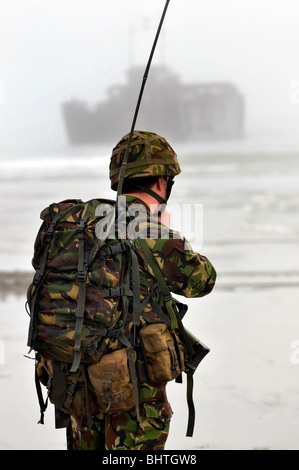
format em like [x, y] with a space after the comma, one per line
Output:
[163, 352]
[111, 381]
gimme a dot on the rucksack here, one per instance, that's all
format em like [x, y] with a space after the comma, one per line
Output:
[93, 343]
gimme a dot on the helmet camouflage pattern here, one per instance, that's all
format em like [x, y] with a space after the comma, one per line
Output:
[149, 155]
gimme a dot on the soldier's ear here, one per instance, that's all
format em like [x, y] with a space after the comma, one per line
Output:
[161, 183]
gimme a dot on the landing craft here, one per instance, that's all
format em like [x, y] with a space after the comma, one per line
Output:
[196, 111]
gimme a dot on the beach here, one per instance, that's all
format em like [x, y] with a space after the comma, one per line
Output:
[246, 390]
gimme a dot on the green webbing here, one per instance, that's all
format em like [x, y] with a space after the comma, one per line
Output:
[48, 237]
[136, 289]
[187, 344]
[78, 325]
[83, 368]
[82, 272]
[124, 340]
[114, 249]
[117, 291]
[158, 310]
[161, 282]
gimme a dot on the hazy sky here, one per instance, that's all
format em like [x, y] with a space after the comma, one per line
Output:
[53, 50]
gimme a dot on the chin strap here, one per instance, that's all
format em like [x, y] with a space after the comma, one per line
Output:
[152, 193]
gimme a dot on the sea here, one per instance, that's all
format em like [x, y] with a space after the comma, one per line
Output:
[242, 197]
[237, 203]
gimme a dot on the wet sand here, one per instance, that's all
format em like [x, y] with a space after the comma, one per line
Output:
[246, 391]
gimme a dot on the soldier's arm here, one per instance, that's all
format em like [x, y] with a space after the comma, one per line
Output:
[187, 273]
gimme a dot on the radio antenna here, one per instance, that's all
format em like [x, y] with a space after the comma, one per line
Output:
[124, 163]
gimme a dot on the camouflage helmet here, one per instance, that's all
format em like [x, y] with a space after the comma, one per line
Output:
[149, 155]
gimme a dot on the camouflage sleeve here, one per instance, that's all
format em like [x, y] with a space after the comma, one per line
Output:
[187, 273]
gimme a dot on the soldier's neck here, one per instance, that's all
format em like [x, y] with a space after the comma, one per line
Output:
[148, 200]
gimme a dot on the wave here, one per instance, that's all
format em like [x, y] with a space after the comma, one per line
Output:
[49, 167]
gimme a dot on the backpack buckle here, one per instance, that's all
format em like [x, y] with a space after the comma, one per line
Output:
[50, 230]
[82, 275]
[37, 276]
[118, 248]
[81, 225]
[114, 291]
[168, 298]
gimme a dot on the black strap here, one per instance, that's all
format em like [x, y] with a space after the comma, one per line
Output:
[117, 291]
[150, 192]
[42, 404]
[158, 310]
[88, 410]
[60, 394]
[114, 249]
[190, 403]
[48, 236]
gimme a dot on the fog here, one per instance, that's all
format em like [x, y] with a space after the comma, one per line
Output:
[53, 51]
[246, 391]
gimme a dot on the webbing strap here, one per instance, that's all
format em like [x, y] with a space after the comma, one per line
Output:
[88, 410]
[134, 381]
[82, 273]
[191, 408]
[149, 191]
[60, 394]
[48, 236]
[136, 296]
[117, 291]
[38, 277]
[186, 341]
[161, 282]
[114, 249]
[42, 404]
[136, 289]
[133, 374]
[78, 325]
[158, 310]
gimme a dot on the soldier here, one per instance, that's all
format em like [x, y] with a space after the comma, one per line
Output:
[152, 165]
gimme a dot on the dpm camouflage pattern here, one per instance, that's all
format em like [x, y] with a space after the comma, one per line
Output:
[54, 318]
[149, 155]
[187, 273]
[121, 431]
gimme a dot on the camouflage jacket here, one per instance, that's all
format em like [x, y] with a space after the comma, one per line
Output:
[186, 272]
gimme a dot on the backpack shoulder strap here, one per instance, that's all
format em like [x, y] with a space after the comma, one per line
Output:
[176, 322]
[161, 282]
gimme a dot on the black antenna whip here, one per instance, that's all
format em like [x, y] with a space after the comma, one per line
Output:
[124, 163]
